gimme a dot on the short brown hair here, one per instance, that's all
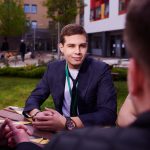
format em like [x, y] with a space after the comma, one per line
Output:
[71, 29]
[137, 32]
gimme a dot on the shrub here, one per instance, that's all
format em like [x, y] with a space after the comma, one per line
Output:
[11, 72]
[122, 74]
[30, 66]
[22, 72]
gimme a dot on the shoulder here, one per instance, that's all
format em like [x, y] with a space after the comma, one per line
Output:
[56, 64]
[89, 138]
[99, 65]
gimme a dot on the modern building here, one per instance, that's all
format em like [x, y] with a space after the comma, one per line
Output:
[104, 21]
[40, 36]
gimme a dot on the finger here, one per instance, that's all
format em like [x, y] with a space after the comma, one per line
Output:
[10, 134]
[4, 124]
[7, 129]
[10, 139]
[12, 145]
[43, 118]
[48, 113]
[44, 123]
[21, 126]
[29, 133]
[11, 126]
[46, 128]
[12, 142]
[51, 110]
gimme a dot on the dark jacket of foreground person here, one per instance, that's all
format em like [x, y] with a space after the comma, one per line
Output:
[134, 137]
[96, 99]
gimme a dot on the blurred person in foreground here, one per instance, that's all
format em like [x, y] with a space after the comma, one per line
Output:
[127, 113]
[137, 135]
[7, 136]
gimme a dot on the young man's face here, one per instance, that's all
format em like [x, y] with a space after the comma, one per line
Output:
[74, 49]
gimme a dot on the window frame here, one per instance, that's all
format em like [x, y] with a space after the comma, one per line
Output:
[97, 18]
[32, 6]
[28, 8]
[34, 25]
[106, 15]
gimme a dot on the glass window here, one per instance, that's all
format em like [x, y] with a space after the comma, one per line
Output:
[106, 13]
[51, 23]
[98, 12]
[92, 14]
[26, 8]
[97, 42]
[28, 23]
[82, 19]
[34, 24]
[34, 9]
[121, 5]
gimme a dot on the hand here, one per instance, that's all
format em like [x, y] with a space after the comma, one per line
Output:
[49, 120]
[3, 131]
[18, 134]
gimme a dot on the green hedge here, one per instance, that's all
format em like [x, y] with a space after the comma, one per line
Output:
[39, 71]
[22, 72]
[122, 74]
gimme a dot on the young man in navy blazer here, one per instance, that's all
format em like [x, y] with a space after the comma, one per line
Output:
[81, 87]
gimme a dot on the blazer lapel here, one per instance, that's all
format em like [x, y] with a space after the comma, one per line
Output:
[61, 77]
[85, 77]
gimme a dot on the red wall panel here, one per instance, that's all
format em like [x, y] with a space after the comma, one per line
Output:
[126, 4]
[105, 1]
[92, 4]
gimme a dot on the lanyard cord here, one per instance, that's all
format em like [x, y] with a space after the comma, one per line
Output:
[74, 104]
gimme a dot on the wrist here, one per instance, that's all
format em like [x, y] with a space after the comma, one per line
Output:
[63, 122]
[35, 114]
[33, 111]
[70, 124]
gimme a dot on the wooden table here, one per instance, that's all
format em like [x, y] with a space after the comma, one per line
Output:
[14, 116]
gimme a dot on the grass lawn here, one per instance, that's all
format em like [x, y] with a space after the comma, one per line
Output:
[15, 91]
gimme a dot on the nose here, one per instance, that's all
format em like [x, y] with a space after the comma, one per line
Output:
[77, 50]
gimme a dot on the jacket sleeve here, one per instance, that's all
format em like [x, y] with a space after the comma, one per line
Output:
[28, 146]
[39, 94]
[84, 139]
[106, 111]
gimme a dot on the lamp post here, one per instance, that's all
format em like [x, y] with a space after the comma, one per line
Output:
[34, 38]
[58, 40]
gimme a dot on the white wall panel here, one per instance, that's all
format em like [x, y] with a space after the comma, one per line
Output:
[114, 22]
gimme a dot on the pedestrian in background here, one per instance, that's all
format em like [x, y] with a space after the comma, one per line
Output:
[22, 50]
[5, 47]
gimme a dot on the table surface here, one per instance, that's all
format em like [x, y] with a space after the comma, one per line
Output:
[36, 133]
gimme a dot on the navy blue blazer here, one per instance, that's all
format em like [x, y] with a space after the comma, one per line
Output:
[96, 99]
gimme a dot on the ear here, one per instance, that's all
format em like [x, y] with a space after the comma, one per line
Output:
[135, 78]
[61, 47]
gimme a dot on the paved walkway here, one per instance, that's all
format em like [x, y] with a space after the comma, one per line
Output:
[45, 56]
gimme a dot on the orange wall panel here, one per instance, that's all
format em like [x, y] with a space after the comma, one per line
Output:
[102, 11]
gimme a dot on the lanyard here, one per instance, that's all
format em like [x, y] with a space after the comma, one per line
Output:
[74, 104]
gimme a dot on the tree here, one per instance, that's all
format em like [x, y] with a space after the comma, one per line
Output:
[12, 18]
[66, 10]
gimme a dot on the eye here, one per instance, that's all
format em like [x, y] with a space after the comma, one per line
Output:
[71, 46]
[83, 46]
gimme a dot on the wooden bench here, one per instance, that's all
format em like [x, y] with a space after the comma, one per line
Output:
[113, 74]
